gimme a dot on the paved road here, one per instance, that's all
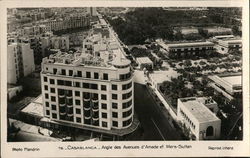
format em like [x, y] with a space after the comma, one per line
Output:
[153, 121]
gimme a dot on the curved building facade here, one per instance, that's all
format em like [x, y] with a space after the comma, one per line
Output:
[84, 90]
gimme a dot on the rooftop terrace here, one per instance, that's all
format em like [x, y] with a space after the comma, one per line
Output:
[198, 110]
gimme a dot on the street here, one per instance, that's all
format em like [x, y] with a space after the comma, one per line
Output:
[154, 123]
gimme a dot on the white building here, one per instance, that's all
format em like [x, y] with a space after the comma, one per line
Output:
[196, 116]
[224, 46]
[83, 89]
[229, 85]
[20, 61]
[176, 50]
[144, 62]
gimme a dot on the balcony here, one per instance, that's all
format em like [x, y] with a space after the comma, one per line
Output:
[70, 115]
[62, 104]
[62, 101]
[69, 110]
[96, 122]
[95, 105]
[87, 113]
[62, 113]
[95, 114]
[61, 95]
[86, 104]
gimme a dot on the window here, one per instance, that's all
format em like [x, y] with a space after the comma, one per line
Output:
[104, 106]
[126, 95]
[103, 97]
[114, 105]
[127, 86]
[45, 79]
[103, 87]
[114, 87]
[46, 96]
[85, 85]
[54, 71]
[127, 113]
[70, 72]
[114, 96]
[52, 90]
[68, 83]
[88, 75]
[47, 104]
[104, 115]
[54, 115]
[78, 120]
[53, 107]
[127, 104]
[114, 114]
[45, 87]
[47, 112]
[60, 82]
[96, 75]
[63, 72]
[104, 124]
[53, 98]
[125, 76]
[78, 111]
[105, 76]
[126, 123]
[77, 84]
[79, 73]
[52, 81]
[77, 93]
[77, 102]
[94, 86]
[115, 123]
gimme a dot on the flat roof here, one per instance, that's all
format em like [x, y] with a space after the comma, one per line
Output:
[230, 80]
[233, 80]
[198, 110]
[190, 44]
[144, 60]
[35, 107]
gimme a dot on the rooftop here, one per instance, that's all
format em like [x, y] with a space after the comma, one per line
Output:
[176, 45]
[144, 60]
[198, 110]
[35, 107]
[233, 80]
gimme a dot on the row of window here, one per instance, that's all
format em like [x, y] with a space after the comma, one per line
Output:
[85, 85]
[188, 120]
[104, 124]
[79, 74]
[186, 49]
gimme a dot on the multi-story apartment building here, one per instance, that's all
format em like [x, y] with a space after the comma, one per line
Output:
[67, 23]
[189, 49]
[86, 90]
[196, 114]
[20, 60]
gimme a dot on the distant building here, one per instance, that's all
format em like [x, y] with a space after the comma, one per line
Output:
[92, 11]
[195, 115]
[215, 31]
[20, 60]
[223, 37]
[229, 85]
[189, 49]
[144, 62]
[224, 46]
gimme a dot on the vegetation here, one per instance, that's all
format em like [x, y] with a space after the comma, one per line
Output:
[142, 24]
